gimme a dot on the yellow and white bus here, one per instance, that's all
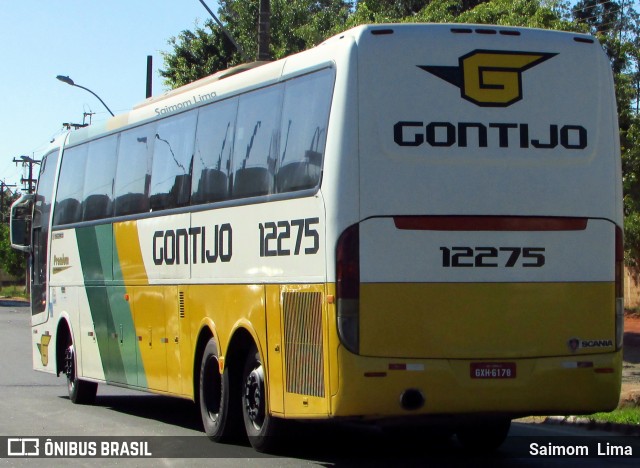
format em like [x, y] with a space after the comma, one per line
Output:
[405, 224]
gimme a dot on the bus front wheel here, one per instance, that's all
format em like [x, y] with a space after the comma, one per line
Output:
[262, 429]
[217, 409]
[81, 392]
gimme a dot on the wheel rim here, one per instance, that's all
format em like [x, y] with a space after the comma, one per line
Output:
[211, 389]
[70, 367]
[254, 397]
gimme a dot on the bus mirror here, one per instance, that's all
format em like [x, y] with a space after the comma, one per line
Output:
[20, 226]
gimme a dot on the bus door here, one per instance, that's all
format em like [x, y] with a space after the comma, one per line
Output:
[40, 237]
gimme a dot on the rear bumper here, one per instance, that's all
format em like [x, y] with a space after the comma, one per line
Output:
[373, 387]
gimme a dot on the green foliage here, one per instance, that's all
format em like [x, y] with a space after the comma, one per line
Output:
[198, 54]
[295, 25]
[11, 261]
[14, 291]
[617, 27]
[627, 415]
[526, 13]
[630, 139]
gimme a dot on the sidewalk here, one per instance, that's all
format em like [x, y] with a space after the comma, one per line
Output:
[630, 394]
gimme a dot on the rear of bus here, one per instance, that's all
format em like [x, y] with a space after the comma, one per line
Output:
[481, 275]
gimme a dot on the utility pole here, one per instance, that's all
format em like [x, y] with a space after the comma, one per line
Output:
[264, 23]
[30, 182]
[149, 91]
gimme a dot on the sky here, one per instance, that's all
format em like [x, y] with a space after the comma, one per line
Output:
[101, 45]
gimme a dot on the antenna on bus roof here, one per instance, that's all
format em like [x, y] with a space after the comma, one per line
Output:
[226, 32]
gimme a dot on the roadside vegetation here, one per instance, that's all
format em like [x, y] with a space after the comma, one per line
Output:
[623, 415]
[14, 292]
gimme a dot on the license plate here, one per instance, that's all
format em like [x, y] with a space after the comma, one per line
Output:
[493, 370]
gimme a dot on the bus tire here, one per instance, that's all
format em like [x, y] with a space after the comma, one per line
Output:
[220, 417]
[81, 392]
[262, 429]
[484, 437]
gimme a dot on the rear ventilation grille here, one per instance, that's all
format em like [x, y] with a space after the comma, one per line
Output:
[303, 343]
[504, 32]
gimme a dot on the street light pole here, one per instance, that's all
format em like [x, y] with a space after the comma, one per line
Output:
[69, 81]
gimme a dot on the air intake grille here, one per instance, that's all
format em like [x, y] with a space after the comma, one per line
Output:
[181, 304]
[303, 343]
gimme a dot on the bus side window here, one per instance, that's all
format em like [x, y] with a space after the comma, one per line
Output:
[68, 207]
[97, 201]
[303, 132]
[172, 159]
[254, 149]
[214, 138]
[133, 171]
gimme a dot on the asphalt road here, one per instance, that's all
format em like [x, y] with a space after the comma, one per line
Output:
[34, 405]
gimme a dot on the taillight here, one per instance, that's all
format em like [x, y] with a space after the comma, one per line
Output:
[348, 288]
[619, 287]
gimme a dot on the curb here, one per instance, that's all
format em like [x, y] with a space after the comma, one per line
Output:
[590, 424]
[9, 302]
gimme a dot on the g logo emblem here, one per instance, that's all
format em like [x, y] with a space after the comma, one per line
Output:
[490, 78]
[43, 347]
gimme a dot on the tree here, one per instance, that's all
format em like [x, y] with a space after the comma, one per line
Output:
[296, 25]
[529, 13]
[617, 27]
[198, 54]
[526, 13]
[11, 261]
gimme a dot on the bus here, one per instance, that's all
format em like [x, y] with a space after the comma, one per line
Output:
[406, 225]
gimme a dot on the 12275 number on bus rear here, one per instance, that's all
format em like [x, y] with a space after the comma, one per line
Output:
[479, 257]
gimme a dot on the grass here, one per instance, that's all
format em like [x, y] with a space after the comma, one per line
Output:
[623, 415]
[13, 291]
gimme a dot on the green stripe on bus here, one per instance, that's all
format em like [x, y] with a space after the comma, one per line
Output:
[95, 244]
[111, 314]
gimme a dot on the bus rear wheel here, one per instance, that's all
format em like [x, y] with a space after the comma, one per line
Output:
[262, 429]
[220, 416]
[81, 392]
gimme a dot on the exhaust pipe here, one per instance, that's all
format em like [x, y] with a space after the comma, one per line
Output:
[412, 399]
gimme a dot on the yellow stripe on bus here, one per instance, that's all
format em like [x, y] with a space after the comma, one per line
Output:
[130, 260]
